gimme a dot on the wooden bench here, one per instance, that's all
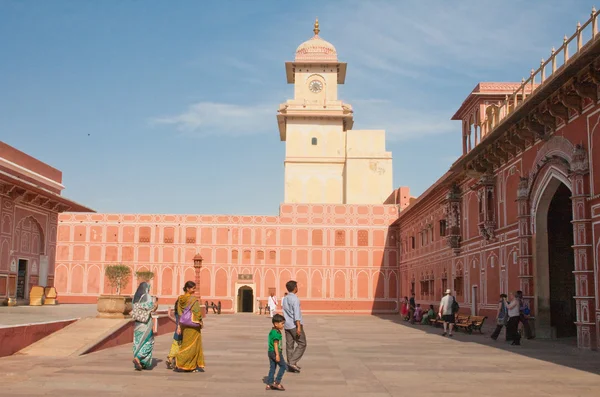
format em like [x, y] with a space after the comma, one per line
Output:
[477, 323]
[462, 322]
[36, 296]
[51, 296]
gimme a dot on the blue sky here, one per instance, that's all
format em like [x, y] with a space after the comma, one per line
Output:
[169, 106]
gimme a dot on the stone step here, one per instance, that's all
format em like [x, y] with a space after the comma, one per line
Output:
[75, 339]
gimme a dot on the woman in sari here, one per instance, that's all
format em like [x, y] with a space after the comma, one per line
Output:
[143, 337]
[190, 357]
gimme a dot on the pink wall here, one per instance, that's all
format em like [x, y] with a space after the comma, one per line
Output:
[342, 255]
[19, 337]
[26, 232]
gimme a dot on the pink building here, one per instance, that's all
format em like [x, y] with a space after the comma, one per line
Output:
[342, 256]
[30, 202]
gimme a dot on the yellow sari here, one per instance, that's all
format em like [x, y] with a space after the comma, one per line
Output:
[191, 355]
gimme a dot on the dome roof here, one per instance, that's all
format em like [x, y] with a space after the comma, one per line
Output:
[316, 49]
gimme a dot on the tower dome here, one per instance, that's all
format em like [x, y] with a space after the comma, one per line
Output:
[316, 49]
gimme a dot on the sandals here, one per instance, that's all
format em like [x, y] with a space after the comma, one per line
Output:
[276, 386]
[137, 364]
[169, 363]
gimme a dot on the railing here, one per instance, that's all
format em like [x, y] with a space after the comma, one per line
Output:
[538, 77]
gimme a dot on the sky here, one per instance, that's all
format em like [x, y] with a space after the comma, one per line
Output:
[152, 106]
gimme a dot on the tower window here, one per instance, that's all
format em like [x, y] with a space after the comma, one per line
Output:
[313, 141]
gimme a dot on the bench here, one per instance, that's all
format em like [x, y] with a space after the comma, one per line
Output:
[462, 322]
[36, 296]
[477, 323]
[51, 296]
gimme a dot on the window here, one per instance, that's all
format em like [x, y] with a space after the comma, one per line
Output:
[234, 255]
[144, 234]
[412, 242]
[260, 255]
[363, 238]
[442, 228]
[459, 286]
[340, 238]
[190, 235]
[490, 206]
[317, 237]
[313, 141]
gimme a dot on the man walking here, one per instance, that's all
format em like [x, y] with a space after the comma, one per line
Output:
[295, 336]
[272, 302]
[446, 312]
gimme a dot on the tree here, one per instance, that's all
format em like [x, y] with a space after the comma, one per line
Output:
[118, 276]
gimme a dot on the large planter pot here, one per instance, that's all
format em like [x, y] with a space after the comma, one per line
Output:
[114, 306]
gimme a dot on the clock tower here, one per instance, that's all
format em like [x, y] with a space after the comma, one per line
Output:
[316, 128]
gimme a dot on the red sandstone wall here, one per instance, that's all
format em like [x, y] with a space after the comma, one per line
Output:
[19, 337]
[124, 335]
[343, 256]
[492, 266]
[26, 232]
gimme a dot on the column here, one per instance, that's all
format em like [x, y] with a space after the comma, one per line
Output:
[524, 259]
[587, 327]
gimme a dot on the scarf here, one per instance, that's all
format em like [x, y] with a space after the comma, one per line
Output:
[143, 291]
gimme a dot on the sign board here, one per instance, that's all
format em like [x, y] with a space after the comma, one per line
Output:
[244, 277]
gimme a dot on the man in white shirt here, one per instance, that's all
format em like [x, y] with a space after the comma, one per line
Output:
[446, 312]
[272, 302]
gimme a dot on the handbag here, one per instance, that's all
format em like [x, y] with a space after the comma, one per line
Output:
[139, 314]
[186, 318]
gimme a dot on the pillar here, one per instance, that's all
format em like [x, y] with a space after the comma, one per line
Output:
[524, 258]
[587, 324]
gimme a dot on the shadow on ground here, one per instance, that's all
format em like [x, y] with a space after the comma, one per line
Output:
[559, 351]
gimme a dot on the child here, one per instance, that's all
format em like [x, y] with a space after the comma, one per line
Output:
[275, 355]
[177, 338]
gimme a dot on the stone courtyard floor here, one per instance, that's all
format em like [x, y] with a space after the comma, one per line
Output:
[346, 356]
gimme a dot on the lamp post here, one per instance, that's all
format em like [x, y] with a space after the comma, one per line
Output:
[197, 266]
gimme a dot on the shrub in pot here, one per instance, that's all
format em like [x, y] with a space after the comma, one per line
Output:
[116, 306]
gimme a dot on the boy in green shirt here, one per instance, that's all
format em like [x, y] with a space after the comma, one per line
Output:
[275, 356]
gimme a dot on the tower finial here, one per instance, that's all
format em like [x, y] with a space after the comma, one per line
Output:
[316, 29]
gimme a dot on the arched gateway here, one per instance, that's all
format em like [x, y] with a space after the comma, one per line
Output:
[554, 225]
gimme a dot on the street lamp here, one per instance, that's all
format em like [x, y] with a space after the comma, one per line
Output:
[197, 266]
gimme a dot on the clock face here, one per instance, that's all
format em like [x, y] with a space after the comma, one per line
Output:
[315, 86]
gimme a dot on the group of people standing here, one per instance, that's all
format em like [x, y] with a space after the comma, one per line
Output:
[510, 313]
[186, 354]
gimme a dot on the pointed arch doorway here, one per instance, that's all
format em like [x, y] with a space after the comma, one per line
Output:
[555, 262]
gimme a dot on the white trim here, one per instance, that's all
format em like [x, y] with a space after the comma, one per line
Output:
[552, 173]
[239, 285]
[31, 174]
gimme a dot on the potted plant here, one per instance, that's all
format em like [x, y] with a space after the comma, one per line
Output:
[116, 306]
[144, 276]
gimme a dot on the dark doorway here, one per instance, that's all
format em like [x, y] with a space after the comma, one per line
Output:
[21, 279]
[561, 263]
[245, 300]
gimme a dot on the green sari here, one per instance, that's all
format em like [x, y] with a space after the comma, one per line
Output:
[143, 337]
[191, 355]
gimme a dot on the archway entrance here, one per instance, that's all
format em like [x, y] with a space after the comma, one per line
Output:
[561, 264]
[245, 300]
[554, 259]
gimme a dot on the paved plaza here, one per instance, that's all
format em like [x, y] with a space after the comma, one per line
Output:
[346, 356]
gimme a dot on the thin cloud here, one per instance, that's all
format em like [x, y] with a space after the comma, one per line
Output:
[211, 118]
[401, 123]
